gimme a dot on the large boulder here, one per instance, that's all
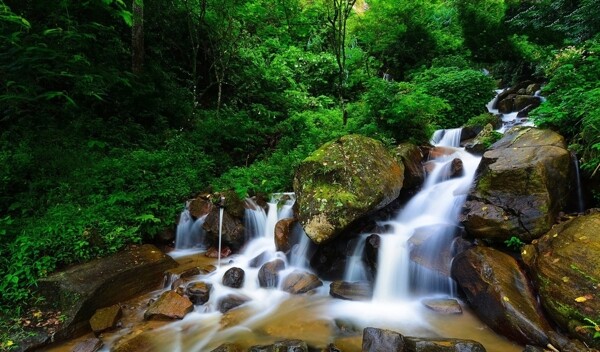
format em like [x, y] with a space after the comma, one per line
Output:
[82, 289]
[521, 185]
[232, 230]
[565, 265]
[501, 295]
[342, 181]
[411, 157]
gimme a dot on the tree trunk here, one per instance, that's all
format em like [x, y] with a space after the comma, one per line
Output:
[137, 36]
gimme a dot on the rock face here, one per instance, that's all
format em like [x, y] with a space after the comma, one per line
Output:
[282, 234]
[343, 181]
[566, 270]
[82, 289]
[169, 305]
[501, 295]
[522, 184]
[106, 318]
[300, 282]
[232, 231]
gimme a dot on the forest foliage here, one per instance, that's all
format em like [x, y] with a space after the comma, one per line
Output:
[233, 94]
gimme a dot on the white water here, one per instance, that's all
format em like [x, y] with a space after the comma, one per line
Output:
[436, 206]
[579, 190]
[511, 119]
[189, 234]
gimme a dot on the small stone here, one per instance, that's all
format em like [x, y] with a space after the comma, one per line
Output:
[231, 301]
[268, 275]
[169, 305]
[234, 277]
[89, 345]
[443, 306]
[300, 282]
[198, 292]
[106, 318]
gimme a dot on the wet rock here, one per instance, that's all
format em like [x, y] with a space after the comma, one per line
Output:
[234, 277]
[268, 274]
[82, 289]
[507, 105]
[430, 247]
[200, 206]
[198, 292]
[380, 340]
[282, 234]
[106, 318]
[300, 282]
[417, 344]
[522, 184]
[228, 347]
[437, 152]
[352, 291]
[169, 306]
[522, 101]
[565, 266]
[511, 91]
[140, 342]
[372, 252]
[482, 141]
[501, 294]
[232, 230]
[213, 252]
[411, 157]
[231, 301]
[456, 168]
[343, 181]
[532, 88]
[290, 346]
[89, 345]
[259, 260]
[443, 306]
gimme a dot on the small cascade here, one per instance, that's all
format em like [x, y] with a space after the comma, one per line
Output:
[580, 200]
[255, 220]
[437, 206]
[355, 268]
[189, 234]
[301, 250]
[510, 119]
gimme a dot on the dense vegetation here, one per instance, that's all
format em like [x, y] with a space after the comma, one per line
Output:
[113, 113]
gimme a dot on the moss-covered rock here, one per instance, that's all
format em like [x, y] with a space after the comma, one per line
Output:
[522, 184]
[411, 157]
[565, 264]
[342, 181]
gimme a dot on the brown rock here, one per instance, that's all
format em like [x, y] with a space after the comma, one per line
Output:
[231, 301]
[170, 305]
[198, 292]
[521, 101]
[82, 289]
[300, 282]
[200, 206]
[411, 157]
[234, 277]
[282, 234]
[268, 274]
[565, 264]
[379, 340]
[501, 294]
[89, 345]
[232, 230]
[106, 318]
[418, 344]
[352, 291]
[437, 152]
[443, 306]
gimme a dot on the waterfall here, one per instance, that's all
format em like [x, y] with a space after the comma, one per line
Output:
[255, 220]
[355, 268]
[189, 232]
[437, 206]
[580, 200]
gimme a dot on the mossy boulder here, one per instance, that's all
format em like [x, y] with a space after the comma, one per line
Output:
[342, 181]
[565, 265]
[521, 185]
[411, 157]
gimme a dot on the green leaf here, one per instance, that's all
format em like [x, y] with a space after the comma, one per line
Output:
[127, 17]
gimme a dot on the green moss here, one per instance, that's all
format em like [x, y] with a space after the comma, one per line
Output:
[584, 274]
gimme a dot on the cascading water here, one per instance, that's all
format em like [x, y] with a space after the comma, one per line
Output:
[433, 211]
[189, 234]
[579, 190]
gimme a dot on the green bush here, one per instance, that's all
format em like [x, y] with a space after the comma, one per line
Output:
[403, 109]
[466, 91]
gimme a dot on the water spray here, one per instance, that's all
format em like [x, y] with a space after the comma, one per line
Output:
[221, 206]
